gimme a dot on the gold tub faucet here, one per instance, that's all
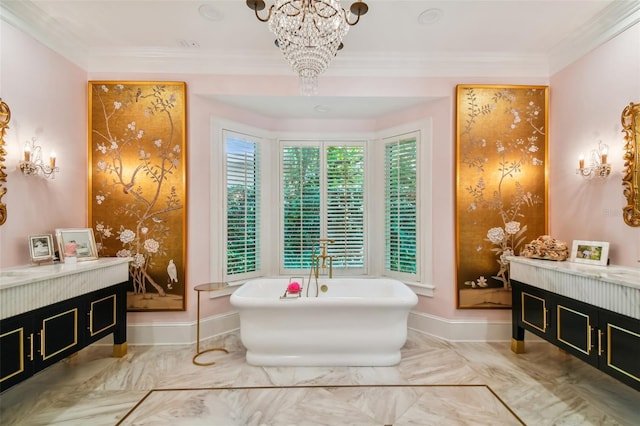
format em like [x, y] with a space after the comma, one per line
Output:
[316, 264]
[323, 256]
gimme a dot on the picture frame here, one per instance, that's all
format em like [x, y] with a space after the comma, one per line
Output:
[79, 241]
[41, 247]
[591, 252]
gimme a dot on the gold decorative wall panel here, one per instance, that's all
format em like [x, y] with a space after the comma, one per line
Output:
[501, 191]
[137, 191]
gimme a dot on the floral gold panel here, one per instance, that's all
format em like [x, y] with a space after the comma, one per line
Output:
[137, 189]
[501, 192]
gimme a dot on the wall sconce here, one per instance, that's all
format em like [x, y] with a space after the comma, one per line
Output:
[32, 163]
[598, 166]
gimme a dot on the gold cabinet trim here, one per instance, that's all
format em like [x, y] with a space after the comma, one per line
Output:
[93, 333]
[586, 351]
[21, 331]
[544, 306]
[609, 364]
[43, 336]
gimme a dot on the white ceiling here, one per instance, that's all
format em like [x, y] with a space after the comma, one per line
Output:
[453, 38]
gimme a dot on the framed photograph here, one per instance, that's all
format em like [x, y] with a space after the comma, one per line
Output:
[41, 247]
[77, 242]
[593, 252]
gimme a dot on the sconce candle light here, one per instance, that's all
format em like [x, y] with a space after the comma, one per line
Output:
[598, 166]
[32, 164]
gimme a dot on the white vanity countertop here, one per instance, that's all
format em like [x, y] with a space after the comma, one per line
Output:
[615, 288]
[21, 275]
[621, 275]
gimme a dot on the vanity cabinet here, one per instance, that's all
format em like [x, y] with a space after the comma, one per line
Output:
[34, 340]
[50, 312]
[602, 338]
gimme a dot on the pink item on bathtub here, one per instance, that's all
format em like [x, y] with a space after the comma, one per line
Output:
[294, 287]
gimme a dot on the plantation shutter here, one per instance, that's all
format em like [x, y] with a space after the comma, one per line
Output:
[301, 204]
[400, 206]
[243, 209]
[345, 205]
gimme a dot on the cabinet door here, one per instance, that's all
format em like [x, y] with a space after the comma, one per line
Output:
[102, 313]
[575, 328]
[619, 347]
[58, 330]
[16, 353]
[534, 304]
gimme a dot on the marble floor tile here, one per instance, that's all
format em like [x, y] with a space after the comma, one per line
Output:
[329, 406]
[436, 383]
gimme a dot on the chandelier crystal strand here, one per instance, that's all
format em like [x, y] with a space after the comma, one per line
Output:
[309, 33]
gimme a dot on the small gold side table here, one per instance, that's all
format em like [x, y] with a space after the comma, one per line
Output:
[202, 288]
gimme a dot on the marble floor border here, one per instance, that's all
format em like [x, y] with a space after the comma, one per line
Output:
[388, 386]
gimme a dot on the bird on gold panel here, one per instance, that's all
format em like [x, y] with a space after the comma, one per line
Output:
[173, 274]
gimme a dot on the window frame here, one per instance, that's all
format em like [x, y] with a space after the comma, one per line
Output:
[211, 171]
[322, 145]
[226, 133]
[404, 276]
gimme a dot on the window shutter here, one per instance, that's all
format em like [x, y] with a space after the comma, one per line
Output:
[345, 205]
[301, 204]
[401, 206]
[243, 208]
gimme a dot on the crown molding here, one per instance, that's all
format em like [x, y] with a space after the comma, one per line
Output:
[612, 21]
[27, 17]
[615, 19]
[471, 64]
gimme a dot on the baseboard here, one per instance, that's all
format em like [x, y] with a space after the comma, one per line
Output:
[178, 333]
[184, 333]
[467, 330]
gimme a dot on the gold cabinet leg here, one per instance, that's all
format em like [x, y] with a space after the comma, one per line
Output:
[120, 350]
[517, 346]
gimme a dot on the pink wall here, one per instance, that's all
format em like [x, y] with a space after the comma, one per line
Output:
[587, 99]
[47, 96]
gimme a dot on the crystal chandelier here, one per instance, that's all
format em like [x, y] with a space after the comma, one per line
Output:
[309, 33]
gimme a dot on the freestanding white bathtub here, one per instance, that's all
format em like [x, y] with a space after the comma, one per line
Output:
[355, 322]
